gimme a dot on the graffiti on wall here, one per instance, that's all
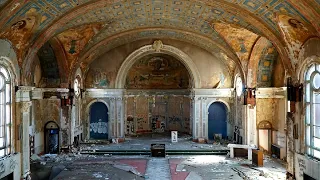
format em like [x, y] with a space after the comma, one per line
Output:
[302, 166]
[99, 127]
[158, 72]
[158, 123]
[130, 125]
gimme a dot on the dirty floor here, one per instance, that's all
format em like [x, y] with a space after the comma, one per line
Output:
[205, 167]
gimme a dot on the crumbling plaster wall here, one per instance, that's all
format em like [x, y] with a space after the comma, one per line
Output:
[103, 71]
[45, 110]
[157, 114]
[298, 162]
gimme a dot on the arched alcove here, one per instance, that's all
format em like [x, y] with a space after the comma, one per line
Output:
[217, 120]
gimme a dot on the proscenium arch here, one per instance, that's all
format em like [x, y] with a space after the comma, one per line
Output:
[166, 49]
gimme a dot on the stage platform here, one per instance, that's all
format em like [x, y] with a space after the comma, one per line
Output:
[141, 145]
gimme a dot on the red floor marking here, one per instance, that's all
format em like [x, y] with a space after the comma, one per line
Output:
[139, 164]
[177, 175]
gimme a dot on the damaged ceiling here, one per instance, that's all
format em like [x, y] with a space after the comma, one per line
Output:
[86, 29]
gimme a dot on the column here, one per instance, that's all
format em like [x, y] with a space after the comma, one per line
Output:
[23, 97]
[65, 127]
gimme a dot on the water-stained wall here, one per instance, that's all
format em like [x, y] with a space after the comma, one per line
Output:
[157, 113]
[45, 110]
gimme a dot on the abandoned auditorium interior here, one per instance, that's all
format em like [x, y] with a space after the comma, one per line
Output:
[244, 74]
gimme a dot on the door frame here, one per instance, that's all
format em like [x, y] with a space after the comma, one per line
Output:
[45, 136]
[88, 117]
[265, 125]
[227, 116]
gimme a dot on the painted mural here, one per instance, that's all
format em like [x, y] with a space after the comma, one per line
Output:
[74, 40]
[20, 32]
[295, 33]
[158, 72]
[101, 78]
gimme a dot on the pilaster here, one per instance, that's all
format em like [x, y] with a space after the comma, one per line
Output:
[23, 97]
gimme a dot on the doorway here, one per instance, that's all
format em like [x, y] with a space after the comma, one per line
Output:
[99, 121]
[265, 136]
[217, 121]
[51, 137]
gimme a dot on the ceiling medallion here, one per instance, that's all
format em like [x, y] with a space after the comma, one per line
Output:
[157, 45]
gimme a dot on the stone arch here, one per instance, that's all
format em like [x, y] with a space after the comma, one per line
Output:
[166, 49]
[264, 125]
[220, 101]
[261, 61]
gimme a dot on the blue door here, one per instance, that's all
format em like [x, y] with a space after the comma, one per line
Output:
[217, 120]
[98, 121]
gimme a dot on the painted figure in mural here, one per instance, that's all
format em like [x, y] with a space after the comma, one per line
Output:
[18, 25]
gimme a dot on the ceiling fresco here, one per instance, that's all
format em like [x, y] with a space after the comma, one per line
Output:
[267, 58]
[87, 29]
[241, 40]
[3, 2]
[74, 40]
[120, 16]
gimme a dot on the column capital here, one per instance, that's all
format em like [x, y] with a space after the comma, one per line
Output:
[26, 106]
[23, 93]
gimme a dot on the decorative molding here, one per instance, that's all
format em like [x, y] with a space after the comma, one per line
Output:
[157, 45]
[225, 93]
[24, 93]
[101, 93]
[26, 107]
[271, 93]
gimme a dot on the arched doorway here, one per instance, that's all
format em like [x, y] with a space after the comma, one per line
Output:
[217, 120]
[51, 137]
[99, 121]
[265, 136]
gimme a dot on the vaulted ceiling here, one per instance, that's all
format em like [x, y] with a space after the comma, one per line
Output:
[86, 29]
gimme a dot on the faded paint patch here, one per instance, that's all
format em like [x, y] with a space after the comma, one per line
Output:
[240, 39]
[295, 33]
